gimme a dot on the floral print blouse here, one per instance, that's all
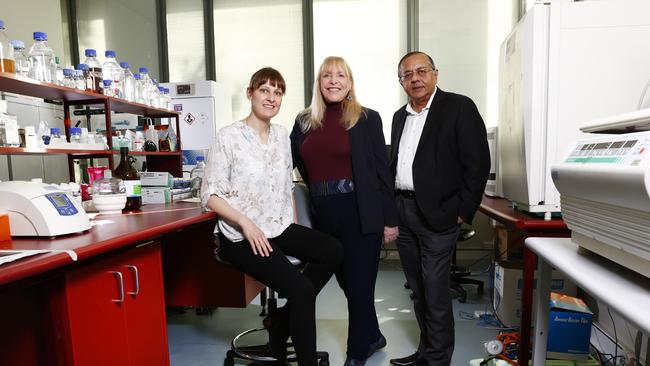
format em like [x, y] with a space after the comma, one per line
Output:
[253, 177]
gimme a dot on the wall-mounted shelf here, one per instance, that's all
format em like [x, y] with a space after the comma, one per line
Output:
[46, 151]
[160, 161]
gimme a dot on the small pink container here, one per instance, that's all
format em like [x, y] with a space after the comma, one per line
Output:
[95, 172]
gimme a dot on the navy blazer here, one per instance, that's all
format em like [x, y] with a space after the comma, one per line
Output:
[452, 160]
[373, 182]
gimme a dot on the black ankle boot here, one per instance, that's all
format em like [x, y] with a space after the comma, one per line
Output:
[277, 324]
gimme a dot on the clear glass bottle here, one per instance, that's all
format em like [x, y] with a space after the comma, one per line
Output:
[84, 80]
[94, 70]
[41, 58]
[55, 137]
[7, 63]
[79, 79]
[59, 71]
[75, 135]
[131, 178]
[68, 78]
[21, 61]
[139, 89]
[196, 176]
[112, 71]
[108, 88]
[146, 85]
[129, 82]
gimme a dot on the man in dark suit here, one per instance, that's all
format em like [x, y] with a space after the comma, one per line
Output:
[441, 161]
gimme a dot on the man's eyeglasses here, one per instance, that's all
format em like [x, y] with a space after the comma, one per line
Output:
[408, 75]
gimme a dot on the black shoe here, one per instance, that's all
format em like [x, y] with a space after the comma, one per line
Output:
[405, 361]
[379, 344]
[278, 328]
[354, 362]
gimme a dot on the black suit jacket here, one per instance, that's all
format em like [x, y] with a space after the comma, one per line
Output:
[373, 182]
[452, 160]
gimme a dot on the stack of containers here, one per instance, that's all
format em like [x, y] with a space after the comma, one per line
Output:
[160, 187]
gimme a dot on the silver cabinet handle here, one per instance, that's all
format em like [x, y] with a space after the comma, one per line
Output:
[136, 279]
[120, 289]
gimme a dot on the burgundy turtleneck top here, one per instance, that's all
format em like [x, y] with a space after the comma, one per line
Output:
[326, 150]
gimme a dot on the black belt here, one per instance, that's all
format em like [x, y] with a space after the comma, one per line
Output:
[405, 194]
[331, 187]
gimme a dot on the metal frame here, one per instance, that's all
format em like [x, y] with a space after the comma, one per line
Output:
[72, 31]
[412, 29]
[308, 48]
[208, 29]
[163, 47]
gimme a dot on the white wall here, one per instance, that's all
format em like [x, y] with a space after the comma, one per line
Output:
[23, 18]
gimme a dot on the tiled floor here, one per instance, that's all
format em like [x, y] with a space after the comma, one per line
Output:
[203, 340]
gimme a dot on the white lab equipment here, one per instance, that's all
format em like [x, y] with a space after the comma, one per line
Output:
[204, 107]
[564, 64]
[40, 209]
[604, 182]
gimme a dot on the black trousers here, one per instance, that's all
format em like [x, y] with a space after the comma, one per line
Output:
[321, 252]
[426, 258]
[338, 216]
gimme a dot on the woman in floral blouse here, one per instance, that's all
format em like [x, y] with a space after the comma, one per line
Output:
[248, 184]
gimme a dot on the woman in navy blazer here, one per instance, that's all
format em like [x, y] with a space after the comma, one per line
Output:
[339, 148]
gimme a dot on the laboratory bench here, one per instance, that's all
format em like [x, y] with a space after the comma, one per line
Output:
[107, 305]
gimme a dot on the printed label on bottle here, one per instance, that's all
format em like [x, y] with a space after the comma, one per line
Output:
[133, 188]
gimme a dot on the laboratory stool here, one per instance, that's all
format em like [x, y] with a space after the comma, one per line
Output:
[458, 275]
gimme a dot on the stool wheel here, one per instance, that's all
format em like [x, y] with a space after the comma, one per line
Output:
[229, 360]
[323, 358]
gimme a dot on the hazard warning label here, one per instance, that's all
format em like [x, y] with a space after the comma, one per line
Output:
[189, 119]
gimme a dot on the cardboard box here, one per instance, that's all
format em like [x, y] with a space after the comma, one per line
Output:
[569, 328]
[508, 282]
[153, 195]
[509, 243]
[156, 179]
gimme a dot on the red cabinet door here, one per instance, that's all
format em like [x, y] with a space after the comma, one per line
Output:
[96, 300]
[145, 305]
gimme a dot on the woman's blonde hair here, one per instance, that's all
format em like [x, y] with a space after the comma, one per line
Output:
[312, 117]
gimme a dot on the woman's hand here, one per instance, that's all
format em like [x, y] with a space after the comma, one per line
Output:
[390, 233]
[258, 241]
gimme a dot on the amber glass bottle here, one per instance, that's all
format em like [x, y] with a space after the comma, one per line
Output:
[131, 178]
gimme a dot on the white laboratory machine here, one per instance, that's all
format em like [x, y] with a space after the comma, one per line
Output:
[564, 64]
[40, 209]
[604, 182]
[204, 107]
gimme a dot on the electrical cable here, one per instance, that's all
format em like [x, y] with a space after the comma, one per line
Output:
[615, 335]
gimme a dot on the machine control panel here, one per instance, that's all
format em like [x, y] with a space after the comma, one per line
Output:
[631, 151]
[62, 203]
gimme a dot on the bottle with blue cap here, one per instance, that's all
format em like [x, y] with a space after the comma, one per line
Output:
[41, 58]
[113, 72]
[68, 78]
[94, 70]
[129, 82]
[146, 84]
[108, 88]
[83, 81]
[7, 63]
[20, 58]
[79, 79]
[139, 89]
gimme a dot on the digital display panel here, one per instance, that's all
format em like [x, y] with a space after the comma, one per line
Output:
[184, 89]
[59, 201]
